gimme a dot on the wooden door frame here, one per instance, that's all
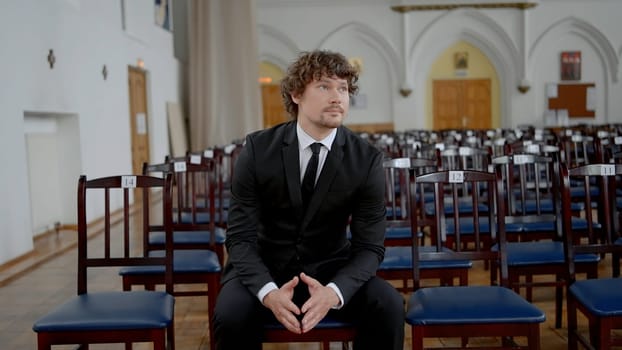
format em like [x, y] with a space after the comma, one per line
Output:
[137, 168]
[461, 99]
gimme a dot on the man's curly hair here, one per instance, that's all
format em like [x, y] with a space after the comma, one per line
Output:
[312, 66]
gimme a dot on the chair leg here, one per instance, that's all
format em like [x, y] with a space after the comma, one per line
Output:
[529, 288]
[572, 322]
[559, 300]
[417, 338]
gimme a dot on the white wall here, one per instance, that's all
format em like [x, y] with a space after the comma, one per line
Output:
[85, 35]
[397, 50]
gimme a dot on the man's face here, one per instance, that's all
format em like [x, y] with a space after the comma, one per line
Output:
[324, 103]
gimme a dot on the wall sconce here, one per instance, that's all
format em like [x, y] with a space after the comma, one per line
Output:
[524, 86]
[105, 72]
[140, 63]
[405, 92]
[51, 59]
[357, 63]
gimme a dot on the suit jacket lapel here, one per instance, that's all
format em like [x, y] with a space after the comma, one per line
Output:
[292, 168]
[329, 170]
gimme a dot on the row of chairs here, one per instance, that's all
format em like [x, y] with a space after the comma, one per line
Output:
[492, 189]
[488, 233]
[529, 165]
[181, 245]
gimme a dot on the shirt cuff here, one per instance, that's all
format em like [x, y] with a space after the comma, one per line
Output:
[267, 288]
[334, 287]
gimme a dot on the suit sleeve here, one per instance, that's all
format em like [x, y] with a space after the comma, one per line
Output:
[242, 223]
[368, 225]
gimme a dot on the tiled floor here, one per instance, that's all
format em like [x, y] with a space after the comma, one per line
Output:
[25, 294]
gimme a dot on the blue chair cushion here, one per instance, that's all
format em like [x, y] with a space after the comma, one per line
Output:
[326, 323]
[470, 305]
[543, 226]
[400, 258]
[601, 296]
[398, 212]
[397, 232]
[184, 261]
[110, 311]
[188, 237]
[465, 206]
[200, 217]
[541, 252]
[579, 191]
[466, 226]
[546, 206]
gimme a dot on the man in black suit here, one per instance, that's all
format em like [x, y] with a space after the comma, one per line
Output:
[293, 260]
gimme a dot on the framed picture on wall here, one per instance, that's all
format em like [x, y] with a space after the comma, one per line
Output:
[461, 60]
[163, 14]
[570, 65]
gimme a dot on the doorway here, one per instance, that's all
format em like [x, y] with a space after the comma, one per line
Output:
[53, 157]
[462, 104]
[137, 81]
[273, 110]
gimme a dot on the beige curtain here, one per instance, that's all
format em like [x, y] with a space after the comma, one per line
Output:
[225, 102]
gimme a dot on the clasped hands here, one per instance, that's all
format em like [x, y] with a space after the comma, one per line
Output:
[321, 300]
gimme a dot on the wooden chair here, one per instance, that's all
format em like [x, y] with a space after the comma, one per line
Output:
[96, 316]
[597, 299]
[397, 263]
[192, 205]
[474, 310]
[193, 264]
[327, 331]
[533, 215]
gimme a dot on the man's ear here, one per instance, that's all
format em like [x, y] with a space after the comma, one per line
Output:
[295, 98]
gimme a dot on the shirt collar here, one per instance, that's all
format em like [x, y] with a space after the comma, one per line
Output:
[304, 140]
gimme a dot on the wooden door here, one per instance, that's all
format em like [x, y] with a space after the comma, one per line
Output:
[273, 110]
[462, 104]
[138, 118]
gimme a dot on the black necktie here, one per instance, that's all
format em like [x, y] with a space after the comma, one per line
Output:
[308, 181]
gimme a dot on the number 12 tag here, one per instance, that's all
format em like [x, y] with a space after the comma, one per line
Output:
[456, 176]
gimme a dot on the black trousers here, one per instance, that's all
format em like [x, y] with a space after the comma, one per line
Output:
[377, 310]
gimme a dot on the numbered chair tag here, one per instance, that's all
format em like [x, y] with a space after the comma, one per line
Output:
[521, 159]
[195, 159]
[608, 170]
[618, 140]
[128, 181]
[180, 167]
[208, 153]
[456, 176]
[229, 149]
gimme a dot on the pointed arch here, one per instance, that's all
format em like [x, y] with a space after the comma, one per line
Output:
[275, 46]
[368, 35]
[381, 66]
[477, 29]
[590, 33]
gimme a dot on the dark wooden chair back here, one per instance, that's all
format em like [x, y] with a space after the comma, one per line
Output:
[105, 315]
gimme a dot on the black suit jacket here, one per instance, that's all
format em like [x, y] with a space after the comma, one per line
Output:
[271, 238]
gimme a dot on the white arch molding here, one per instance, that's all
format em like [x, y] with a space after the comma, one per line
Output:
[482, 32]
[609, 59]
